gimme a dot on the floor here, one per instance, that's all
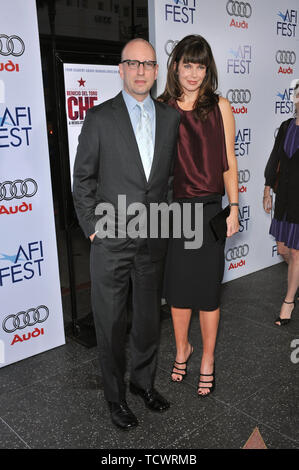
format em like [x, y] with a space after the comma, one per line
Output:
[55, 400]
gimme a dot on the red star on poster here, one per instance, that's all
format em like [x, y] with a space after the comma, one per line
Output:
[81, 82]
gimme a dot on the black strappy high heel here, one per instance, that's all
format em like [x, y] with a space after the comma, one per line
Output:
[285, 321]
[211, 388]
[179, 369]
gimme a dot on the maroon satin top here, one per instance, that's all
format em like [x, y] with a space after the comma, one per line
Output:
[201, 158]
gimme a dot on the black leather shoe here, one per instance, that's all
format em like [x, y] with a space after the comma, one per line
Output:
[152, 399]
[122, 416]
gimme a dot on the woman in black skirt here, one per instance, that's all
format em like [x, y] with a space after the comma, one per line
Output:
[284, 163]
[205, 165]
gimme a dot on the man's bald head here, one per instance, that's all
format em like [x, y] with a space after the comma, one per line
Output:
[127, 47]
[138, 80]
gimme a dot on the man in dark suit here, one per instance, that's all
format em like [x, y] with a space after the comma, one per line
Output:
[126, 147]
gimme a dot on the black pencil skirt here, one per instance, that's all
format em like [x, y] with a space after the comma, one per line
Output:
[193, 276]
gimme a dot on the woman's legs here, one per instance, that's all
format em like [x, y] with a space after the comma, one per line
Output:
[209, 322]
[283, 251]
[209, 326]
[181, 321]
[293, 283]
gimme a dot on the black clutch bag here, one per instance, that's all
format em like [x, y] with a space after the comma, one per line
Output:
[218, 223]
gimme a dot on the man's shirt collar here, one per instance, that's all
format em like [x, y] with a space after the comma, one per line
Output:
[131, 102]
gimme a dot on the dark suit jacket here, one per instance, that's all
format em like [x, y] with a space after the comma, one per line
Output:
[287, 194]
[108, 164]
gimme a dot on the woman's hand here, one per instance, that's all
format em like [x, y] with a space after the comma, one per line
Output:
[267, 203]
[232, 222]
[267, 200]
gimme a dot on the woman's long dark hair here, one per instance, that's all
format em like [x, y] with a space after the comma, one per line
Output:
[196, 50]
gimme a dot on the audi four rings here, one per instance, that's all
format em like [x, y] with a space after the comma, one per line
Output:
[237, 252]
[285, 57]
[23, 319]
[13, 45]
[243, 176]
[241, 9]
[238, 96]
[17, 189]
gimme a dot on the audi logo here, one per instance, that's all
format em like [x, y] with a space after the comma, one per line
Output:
[285, 57]
[23, 319]
[237, 252]
[238, 96]
[11, 45]
[169, 46]
[238, 9]
[17, 189]
[243, 176]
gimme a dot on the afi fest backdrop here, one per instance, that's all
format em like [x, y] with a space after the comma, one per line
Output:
[255, 46]
[31, 318]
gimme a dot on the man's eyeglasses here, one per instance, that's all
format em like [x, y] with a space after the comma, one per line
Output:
[134, 64]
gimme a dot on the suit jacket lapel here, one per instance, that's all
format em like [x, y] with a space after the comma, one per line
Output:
[123, 120]
[158, 139]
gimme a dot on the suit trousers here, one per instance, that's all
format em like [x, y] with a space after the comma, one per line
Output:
[110, 276]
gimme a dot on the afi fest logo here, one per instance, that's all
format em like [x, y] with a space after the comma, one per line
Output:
[286, 59]
[79, 101]
[180, 11]
[286, 26]
[242, 142]
[22, 266]
[240, 11]
[15, 126]
[240, 63]
[244, 218]
[284, 102]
